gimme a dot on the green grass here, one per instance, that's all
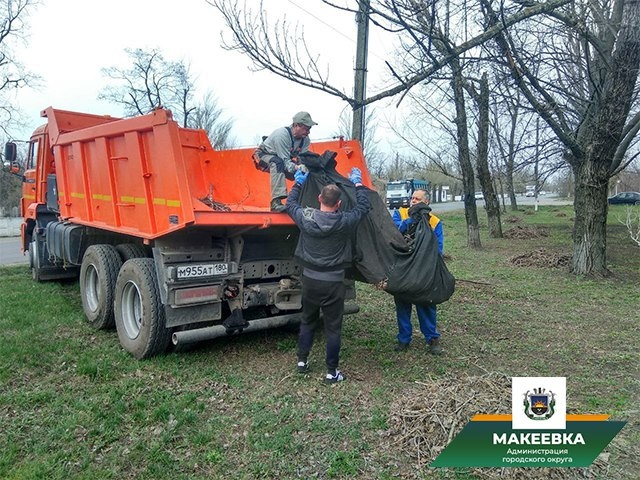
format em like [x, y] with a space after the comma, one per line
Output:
[73, 404]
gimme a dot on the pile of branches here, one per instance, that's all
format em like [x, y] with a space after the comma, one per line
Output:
[424, 421]
[216, 206]
[520, 232]
[541, 258]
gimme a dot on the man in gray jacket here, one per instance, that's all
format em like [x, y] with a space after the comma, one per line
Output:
[280, 151]
[324, 250]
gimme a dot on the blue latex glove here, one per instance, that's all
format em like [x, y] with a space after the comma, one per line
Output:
[355, 176]
[300, 176]
[397, 218]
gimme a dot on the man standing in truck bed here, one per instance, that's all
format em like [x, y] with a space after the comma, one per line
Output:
[324, 249]
[280, 150]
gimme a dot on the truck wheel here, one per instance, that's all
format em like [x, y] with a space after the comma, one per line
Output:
[34, 261]
[128, 251]
[98, 274]
[139, 313]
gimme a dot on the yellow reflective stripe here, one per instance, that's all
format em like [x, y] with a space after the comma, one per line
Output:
[77, 195]
[99, 196]
[433, 221]
[30, 197]
[128, 199]
[168, 203]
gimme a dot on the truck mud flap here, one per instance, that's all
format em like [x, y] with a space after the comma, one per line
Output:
[235, 321]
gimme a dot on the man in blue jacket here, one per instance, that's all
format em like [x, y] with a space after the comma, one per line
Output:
[427, 314]
[324, 251]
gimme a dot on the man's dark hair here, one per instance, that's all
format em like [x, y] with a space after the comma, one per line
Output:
[330, 195]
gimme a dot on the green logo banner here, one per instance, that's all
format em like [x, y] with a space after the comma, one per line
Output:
[496, 444]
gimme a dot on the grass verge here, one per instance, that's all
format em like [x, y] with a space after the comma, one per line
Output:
[73, 404]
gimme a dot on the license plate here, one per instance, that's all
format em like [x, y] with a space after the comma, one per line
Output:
[207, 270]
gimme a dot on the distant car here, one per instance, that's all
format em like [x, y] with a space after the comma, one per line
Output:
[479, 196]
[530, 194]
[628, 198]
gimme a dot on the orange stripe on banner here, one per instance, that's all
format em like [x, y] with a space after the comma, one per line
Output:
[587, 417]
[496, 417]
[506, 417]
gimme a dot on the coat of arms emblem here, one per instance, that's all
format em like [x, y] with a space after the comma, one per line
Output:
[540, 404]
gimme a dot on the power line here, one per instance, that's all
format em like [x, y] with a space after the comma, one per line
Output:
[321, 21]
[334, 29]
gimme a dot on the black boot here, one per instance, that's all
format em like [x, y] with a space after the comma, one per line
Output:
[277, 206]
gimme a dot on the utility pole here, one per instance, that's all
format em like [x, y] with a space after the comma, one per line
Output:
[535, 167]
[360, 81]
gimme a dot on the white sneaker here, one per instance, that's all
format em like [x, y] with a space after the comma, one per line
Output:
[338, 377]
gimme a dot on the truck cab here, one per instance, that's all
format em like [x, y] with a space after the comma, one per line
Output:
[399, 192]
[37, 172]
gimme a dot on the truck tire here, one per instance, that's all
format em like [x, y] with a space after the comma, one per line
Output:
[98, 275]
[34, 261]
[128, 251]
[139, 312]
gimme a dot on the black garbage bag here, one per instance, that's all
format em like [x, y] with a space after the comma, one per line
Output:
[381, 252]
[420, 274]
[376, 239]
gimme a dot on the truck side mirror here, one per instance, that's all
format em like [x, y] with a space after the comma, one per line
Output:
[10, 158]
[10, 153]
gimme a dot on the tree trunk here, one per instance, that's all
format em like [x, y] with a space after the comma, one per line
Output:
[590, 225]
[468, 186]
[601, 134]
[491, 202]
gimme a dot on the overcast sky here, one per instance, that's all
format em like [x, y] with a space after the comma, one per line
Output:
[72, 40]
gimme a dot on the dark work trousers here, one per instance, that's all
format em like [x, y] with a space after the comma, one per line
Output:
[328, 297]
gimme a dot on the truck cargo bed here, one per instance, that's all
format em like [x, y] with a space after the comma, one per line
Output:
[148, 177]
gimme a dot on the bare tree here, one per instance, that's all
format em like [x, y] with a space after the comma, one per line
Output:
[464, 157]
[511, 126]
[441, 39]
[13, 75]
[491, 202]
[415, 21]
[398, 168]
[632, 222]
[283, 50]
[578, 69]
[151, 82]
[208, 117]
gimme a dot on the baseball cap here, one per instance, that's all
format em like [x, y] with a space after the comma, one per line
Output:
[304, 118]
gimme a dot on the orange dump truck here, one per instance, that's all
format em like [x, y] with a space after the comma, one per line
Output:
[172, 241]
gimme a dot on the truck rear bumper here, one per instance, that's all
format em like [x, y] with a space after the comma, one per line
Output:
[209, 333]
[215, 331]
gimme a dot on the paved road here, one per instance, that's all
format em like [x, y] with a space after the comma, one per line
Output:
[10, 246]
[542, 200]
[10, 251]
